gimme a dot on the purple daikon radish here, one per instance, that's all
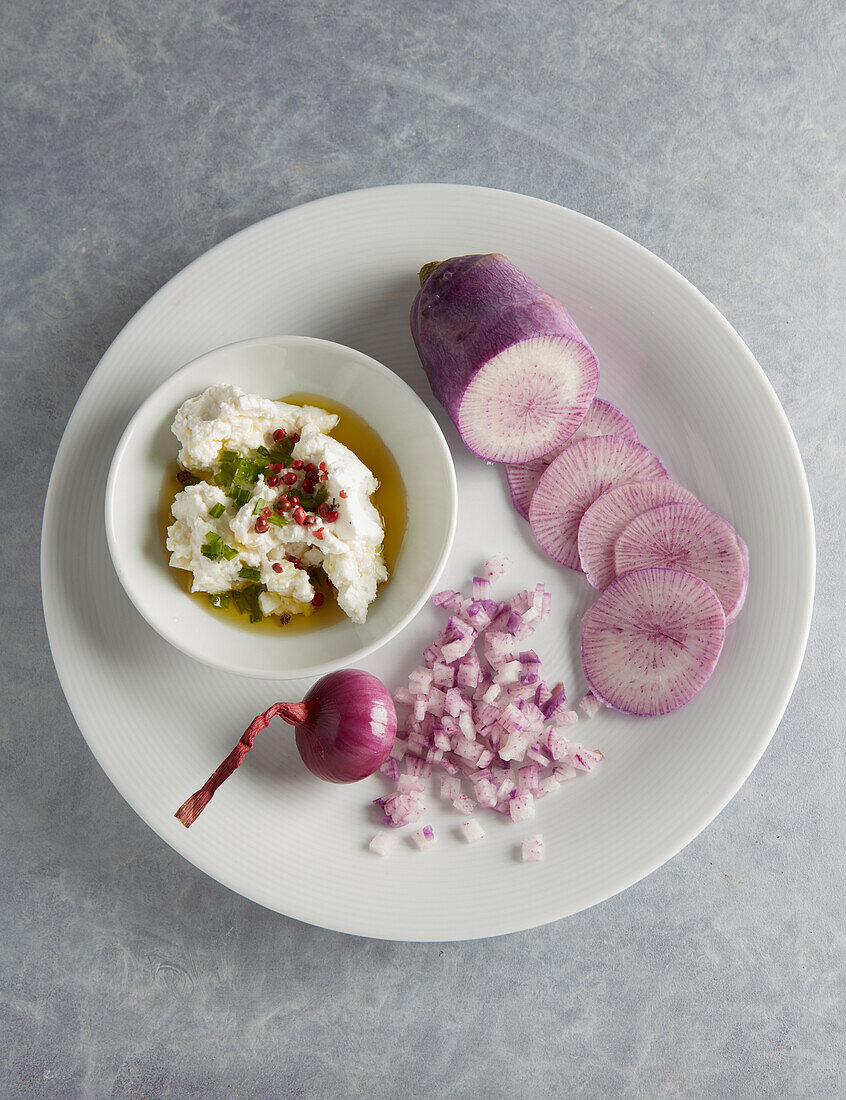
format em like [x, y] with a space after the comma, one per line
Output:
[602, 418]
[503, 357]
[575, 479]
[692, 538]
[652, 640]
[608, 515]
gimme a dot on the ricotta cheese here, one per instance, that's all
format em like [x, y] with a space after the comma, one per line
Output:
[344, 537]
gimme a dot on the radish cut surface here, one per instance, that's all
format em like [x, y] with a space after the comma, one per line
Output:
[602, 418]
[652, 640]
[571, 483]
[692, 538]
[532, 394]
[504, 358]
[604, 521]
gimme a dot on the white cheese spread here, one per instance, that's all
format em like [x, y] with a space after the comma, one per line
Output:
[239, 546]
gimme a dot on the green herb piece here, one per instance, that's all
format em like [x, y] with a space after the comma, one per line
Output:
[228, 463]
[217, 510]
[219, 599]
[277, 520]
[259, 505]
[251, 602]
[214, 548]
[249, 573]
[263, 451]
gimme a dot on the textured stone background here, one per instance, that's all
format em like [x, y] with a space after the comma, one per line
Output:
[135, 135]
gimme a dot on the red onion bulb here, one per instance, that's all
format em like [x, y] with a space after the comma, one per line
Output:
[346, 727]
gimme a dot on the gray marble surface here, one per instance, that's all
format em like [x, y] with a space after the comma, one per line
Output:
[135, 135]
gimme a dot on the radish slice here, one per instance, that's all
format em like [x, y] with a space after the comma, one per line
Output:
[603, 522]
[651, 641]
[602, 418]
[575, 479]
[692, 538]
[503, 357]
[522, 481]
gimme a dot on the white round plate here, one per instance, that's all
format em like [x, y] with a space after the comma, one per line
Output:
[276, 366]
[345, 269]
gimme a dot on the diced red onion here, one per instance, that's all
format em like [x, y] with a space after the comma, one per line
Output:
[481, 588]
[424, 838]
[522, 807]
[449, 600]
[464, 804]
[390, 768]
[443, 675]
[590, 705]
[532, 849]
[383, 843]
[472, 831]
[554, 704]
[496, 566]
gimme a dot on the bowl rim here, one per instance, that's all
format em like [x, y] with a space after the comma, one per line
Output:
[135, 591]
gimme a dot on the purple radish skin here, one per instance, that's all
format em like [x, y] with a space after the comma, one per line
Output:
[602, 418]
[692, 538]
[571, 483]
[603, 522]
[504, 358]
[652, 640]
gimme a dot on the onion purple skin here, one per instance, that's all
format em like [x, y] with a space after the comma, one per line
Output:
[350, 726]
[470, 309]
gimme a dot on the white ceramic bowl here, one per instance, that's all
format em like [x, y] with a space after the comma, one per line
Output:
[274, 366]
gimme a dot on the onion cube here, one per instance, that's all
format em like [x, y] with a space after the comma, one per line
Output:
[443, 675]
[532, 850]
[464, 804]
[522, 807]
[424, 838]
[590, 705]
[471, 831]
[495, 566]
[481, 588]
[383, 843]
[450, 787]
[420, 680]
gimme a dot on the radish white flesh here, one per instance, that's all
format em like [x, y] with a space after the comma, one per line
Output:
[688, 537]
[602, 418]
[503, 357]
[603, 522]
[575, 479]
[651, 641]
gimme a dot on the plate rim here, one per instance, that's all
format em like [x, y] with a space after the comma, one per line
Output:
[805, 597]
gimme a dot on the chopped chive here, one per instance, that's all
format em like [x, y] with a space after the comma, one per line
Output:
[217, 510]
[277, 520]
[229, 552]
[249, 573]
[219, 599]
[259, 505]
[263, 451]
